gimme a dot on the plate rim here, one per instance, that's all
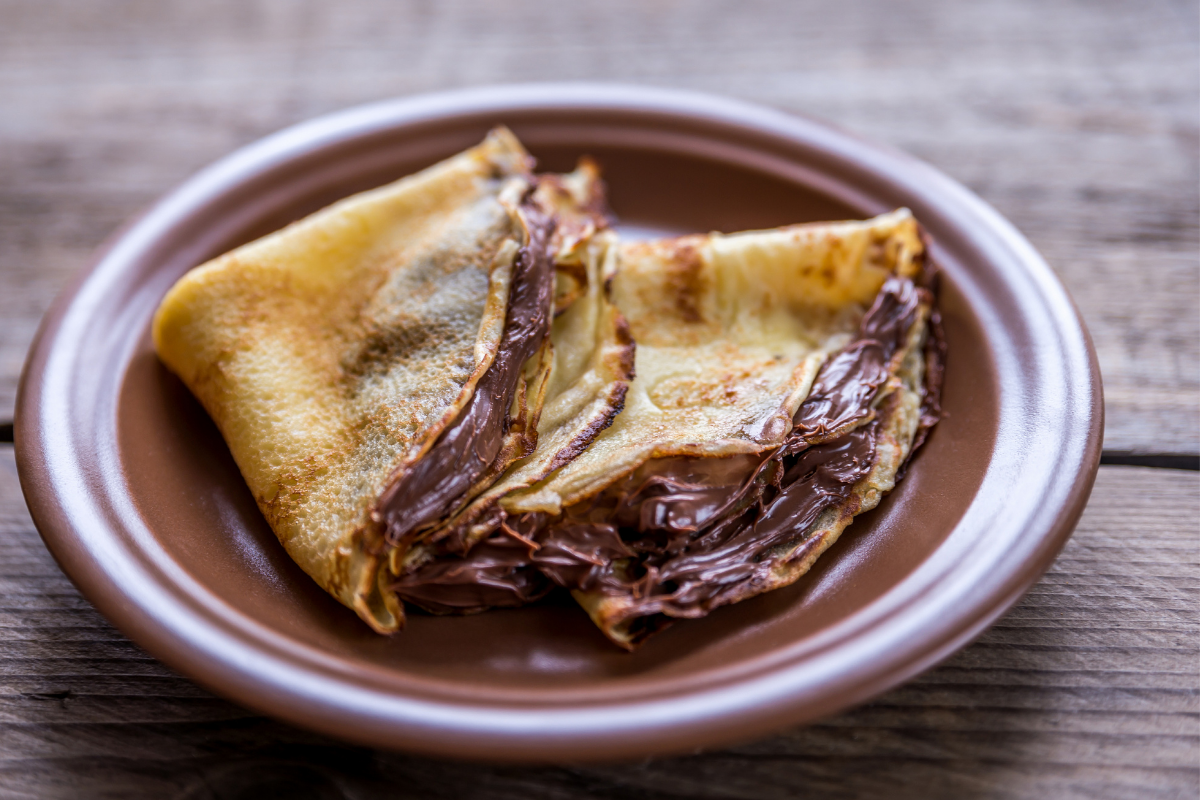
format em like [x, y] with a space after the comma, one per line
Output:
[776, 695]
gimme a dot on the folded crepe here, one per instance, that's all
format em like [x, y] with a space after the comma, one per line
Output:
[376, 366]
[783, 379]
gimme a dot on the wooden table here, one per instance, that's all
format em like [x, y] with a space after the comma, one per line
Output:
[1078, 121]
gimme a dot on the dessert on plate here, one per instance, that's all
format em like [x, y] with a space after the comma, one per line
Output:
[463, 390]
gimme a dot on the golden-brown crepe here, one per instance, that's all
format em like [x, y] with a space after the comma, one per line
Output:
[341, 356]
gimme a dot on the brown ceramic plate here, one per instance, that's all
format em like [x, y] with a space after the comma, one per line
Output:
[138, 498]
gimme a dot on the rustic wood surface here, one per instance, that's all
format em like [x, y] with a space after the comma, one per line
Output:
[1087, 689]
[1080, 121]
[1077, 120]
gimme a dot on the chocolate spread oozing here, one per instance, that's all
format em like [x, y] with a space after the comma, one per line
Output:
[684, 535]
[498, 573]
[437, 482]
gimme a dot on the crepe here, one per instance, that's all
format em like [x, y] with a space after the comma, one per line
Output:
[700, 533]
[769, 407]
[376, 365]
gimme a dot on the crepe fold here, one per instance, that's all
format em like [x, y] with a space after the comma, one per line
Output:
[783, 379]
[376, 366]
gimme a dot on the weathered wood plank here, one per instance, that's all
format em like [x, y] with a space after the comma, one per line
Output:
[1078, 121]
[1089, 688]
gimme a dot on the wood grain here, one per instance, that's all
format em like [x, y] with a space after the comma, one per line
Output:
[1078, 120]
[1089, 688]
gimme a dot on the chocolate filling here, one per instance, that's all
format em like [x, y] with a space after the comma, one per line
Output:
[683, 535]
[498, 573]
[436, 484]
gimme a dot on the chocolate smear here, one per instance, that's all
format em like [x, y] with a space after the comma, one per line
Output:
[438, 482]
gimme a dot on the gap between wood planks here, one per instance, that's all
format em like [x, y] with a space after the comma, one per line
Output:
[1108, 458]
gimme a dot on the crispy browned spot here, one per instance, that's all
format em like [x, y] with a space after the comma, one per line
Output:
[684, 279]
